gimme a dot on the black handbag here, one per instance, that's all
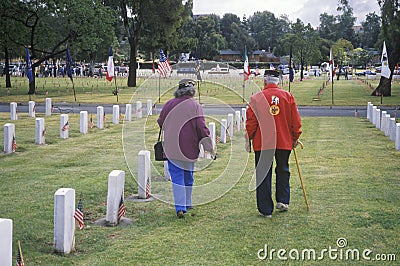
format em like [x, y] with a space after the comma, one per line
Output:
[158, 149]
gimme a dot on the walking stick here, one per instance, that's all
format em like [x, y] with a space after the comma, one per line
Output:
[301, 179]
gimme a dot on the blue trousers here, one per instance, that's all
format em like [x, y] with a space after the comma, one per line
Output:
[264, 164]
[182, 183]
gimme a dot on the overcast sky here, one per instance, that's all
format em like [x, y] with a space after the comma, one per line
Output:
[307, 10]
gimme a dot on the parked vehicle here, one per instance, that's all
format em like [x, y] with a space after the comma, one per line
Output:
[366, 72]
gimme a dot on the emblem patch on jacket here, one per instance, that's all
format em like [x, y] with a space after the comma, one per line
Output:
[274, 108]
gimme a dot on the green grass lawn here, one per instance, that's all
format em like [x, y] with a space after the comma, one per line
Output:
[350, 169]
[218, 90]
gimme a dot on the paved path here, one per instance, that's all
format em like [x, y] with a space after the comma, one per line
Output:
[208, 109]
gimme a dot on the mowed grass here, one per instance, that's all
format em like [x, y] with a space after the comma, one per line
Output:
[356, 92]
[350, 169]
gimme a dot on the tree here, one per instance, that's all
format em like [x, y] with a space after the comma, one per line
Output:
[371, 28]
[161, 18]
[46, 27]
[390, 15]
[346, 21]
[328, 27]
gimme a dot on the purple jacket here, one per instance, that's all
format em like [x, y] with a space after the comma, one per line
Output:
[184, 129]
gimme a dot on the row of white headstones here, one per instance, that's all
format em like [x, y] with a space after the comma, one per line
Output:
[383, 121]
[64, 198]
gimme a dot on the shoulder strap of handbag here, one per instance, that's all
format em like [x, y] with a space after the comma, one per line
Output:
[159, 134]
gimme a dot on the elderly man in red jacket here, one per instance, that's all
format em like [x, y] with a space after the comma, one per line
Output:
[273, 126]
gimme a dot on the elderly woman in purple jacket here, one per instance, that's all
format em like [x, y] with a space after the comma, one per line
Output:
[184, 130]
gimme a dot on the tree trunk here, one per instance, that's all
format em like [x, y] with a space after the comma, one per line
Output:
[6, 67]
[384, 88]
[32, 89]
[132, 63]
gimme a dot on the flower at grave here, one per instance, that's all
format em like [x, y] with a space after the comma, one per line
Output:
[78, 215]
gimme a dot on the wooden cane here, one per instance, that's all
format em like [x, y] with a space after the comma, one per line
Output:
[301, 179]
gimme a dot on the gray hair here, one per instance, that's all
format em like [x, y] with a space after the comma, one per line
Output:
[188, 90]
[271, 79]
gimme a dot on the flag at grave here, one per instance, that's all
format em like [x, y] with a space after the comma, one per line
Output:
[69, 64]
[14, 144]
[29, 73]
[110, 66]
[148, 188]
[291, 66]
[385, 70]
[78, 215]
[163, 66]
[65, 127]
[246, 67]
[91, 124]
[121, 209]
[20, 258]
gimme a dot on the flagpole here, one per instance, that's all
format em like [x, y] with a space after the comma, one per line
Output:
[159, 89]
[116, 88]
[73, 89]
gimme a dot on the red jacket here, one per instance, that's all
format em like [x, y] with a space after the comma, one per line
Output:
[273, 120]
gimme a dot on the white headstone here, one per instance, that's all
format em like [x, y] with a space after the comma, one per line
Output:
[13, 111]
[40, 131]
[369, 107]
[139, 110]
[48, 106]
[378, 118]
[374, 115]
[383, 121]
[64, 126]
[64, 222]
[128, 112]
[244, 118]
[167, 175]
[392, 129]
[230, 125]
[237, 120]
[144, 174]
[115, 117]
[116, 181]
[149, 107]
[224, 123]
[83, 124]
[100, 117]
[6, 226]
[397, 142]
[387, 125]
[213, 135]
[32, 109]
[9, 138]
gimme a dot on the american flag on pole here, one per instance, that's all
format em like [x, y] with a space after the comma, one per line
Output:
[65, 127]
[20, 258]
[163, 66]
[78, 215]
[121, 209]
[14, 144]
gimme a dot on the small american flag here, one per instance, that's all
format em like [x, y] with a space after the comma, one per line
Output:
[78, 215]
[65, 127]
[163, 66]
[44, 133]
[148, 188]
[121, 116]
[104, 117]
[91, 122]
[121, 209]
[14, 144]
[34, 108]
[216, 139]
[20, 258]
